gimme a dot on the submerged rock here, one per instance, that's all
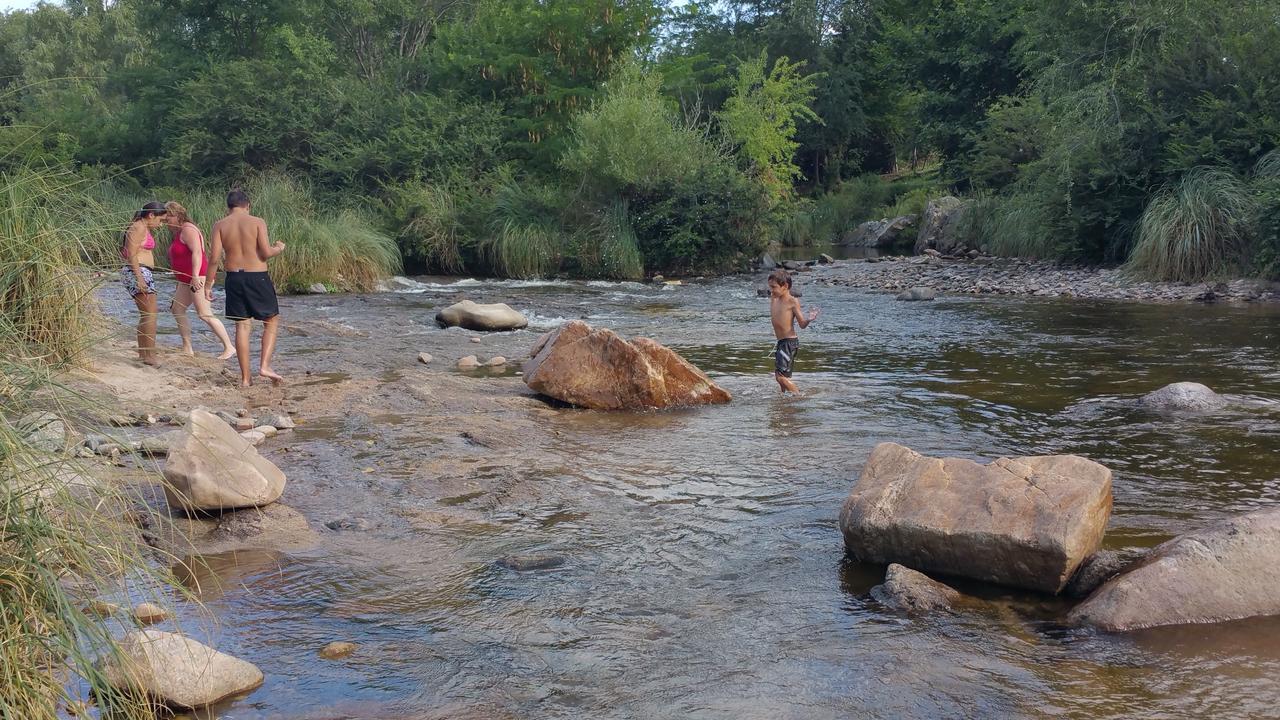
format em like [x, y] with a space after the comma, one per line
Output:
[178, 671]
[337, 649]
[917, 294]
[1101, 567]
[1024, 522]
[909, 591]
[470, 362]
[469, 315]
[211, 468]
[1225, 571]
[597, 369]
[530, 563]
[1187, 396]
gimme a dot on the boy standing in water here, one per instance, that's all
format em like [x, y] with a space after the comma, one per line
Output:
[786, 313]
[250, 294]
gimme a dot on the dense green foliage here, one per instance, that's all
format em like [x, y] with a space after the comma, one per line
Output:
[619, 137]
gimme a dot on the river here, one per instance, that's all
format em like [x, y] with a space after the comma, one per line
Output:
[703, 573]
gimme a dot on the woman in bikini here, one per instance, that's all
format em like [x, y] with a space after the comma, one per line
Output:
[136, 274]
[189, 263]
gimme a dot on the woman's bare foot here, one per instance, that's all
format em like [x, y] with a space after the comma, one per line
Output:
[227, 354]
[189, 350]
[271, 375]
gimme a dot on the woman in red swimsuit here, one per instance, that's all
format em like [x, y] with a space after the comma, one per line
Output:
[188, 261]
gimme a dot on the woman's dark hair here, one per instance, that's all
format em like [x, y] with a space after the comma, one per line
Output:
[151, 209]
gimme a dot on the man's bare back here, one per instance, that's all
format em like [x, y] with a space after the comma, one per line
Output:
[250, 293]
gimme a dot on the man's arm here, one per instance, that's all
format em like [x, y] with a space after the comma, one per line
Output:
[215, 258]
[266, 249]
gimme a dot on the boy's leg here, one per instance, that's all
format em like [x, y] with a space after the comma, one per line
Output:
[244, 329]
[785, 383]
[270, 327]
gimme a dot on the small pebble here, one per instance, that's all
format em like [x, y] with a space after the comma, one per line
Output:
[475, 339]
[425, 358]
[496, 361]
[149, 613]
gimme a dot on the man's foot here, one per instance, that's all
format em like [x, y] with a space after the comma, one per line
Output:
[246, 384]
[271, 375]
[227, 354]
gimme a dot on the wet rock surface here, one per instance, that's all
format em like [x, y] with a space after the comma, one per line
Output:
[473, 316]
[1225, 571]
[909, 591]
[1182, 397]
[597, 369]
[1101, 567]
[1024, 522]
[178, 671]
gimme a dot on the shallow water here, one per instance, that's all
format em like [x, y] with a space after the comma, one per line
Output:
[704, 573]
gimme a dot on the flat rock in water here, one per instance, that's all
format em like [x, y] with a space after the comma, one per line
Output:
[279, 421]
[472, 316]
[1227, 571]
[1185, 396]
[275, 526]
[425, 358]
[909, 591]
[1023, 522]
[178, 671]
[496, 361]
[597, 369]
[529, 563]
[211, 468]
[470, 362]
[917, 294]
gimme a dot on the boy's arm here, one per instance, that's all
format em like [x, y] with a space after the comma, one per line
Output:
[265, 248]
[800, 316]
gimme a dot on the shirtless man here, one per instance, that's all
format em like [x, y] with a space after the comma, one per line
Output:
[250, 294]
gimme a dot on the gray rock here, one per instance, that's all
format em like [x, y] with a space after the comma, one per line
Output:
[178, 671]
[530, 563]
[211, 468]
[496, 361]
[493, 317]
[1024, 522]
[425, 358]
[279, 421]
[767, 262]
[317, 289]
[146, 613]
[938, 230]
[46, 431]
[359, 524]
[1182, 396]
[158, 445]
[909, 591]
[470, 362]
[337, 649]
[276, 526]
[1226, 571]
[916, 294]
[825, 259]
[1101, 567]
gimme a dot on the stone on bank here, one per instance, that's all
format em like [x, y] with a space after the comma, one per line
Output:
[1023, 522]
[1226, 571]
[597, 369]
[211, 468]
[178, 671]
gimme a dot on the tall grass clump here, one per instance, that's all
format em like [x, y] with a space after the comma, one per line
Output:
[1196, 228]
[340, 248]
[526, 235]
[1266, 189]
[605, 246]
[62, 536]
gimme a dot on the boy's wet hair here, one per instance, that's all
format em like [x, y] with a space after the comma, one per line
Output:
[237, 198]
[781, 277]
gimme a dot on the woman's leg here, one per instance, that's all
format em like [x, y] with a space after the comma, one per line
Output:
[182, 299]
[146, 303]
[205, 310]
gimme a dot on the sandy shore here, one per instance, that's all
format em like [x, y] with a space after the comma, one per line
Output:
[999, 276]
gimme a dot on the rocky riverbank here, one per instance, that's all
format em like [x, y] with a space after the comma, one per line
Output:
[984, 275]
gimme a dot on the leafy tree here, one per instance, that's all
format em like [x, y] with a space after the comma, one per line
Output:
[760, 118]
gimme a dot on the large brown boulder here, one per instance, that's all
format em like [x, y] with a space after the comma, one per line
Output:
[597, 369]
[1226, 571]
[1025, 522]
[211, 468]
[472, 316]
[178, 671]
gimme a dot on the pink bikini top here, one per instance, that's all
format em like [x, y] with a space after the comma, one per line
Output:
[148, 244]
